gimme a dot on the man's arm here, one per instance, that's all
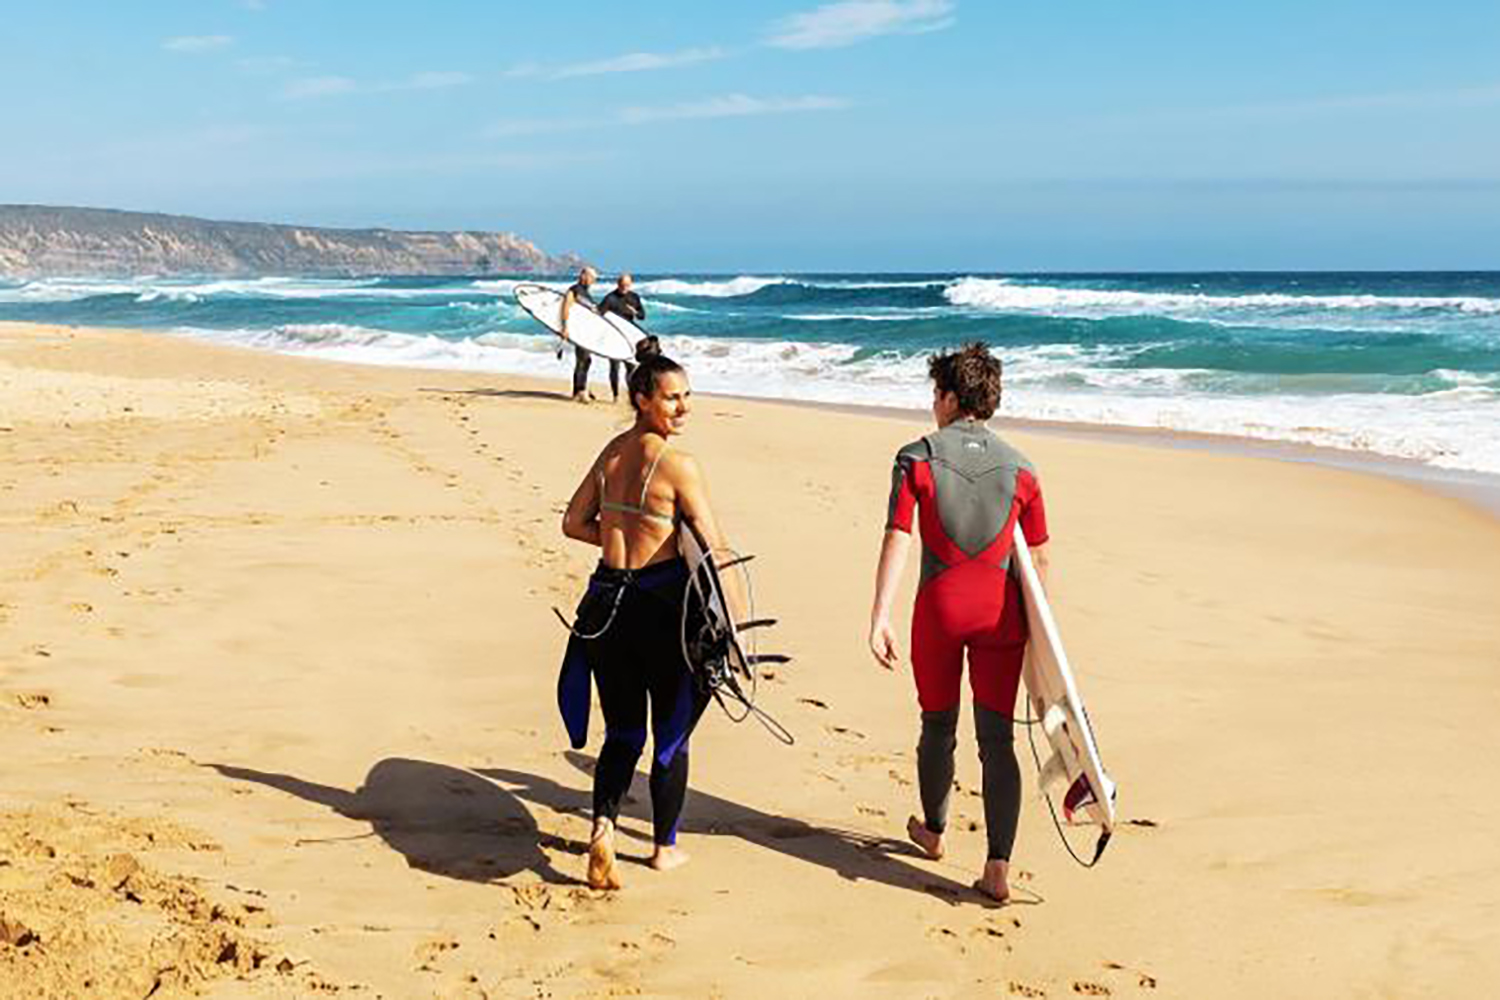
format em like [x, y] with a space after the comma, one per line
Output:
[640, 308]
[893, 553]
[1040, 563]
[567, 306]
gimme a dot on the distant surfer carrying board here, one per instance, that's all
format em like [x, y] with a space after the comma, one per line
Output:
[576, 293]
[628, 635]
[627, 304]
[967, 489]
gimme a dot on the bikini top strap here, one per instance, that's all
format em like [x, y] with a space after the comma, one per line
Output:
[646, 484]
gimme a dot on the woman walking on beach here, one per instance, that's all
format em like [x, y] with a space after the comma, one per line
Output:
[627, 635]
[967, 489]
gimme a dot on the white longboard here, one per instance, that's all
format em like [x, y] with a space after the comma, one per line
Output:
[586, 328]
[1074, 765]
[626, 328]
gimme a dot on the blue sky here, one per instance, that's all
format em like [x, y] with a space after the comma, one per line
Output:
[895, 134]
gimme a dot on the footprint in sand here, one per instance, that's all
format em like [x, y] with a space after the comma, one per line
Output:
[814, 702]
[430, 951]
[846, 732]
[33, 700]
[1089, 989]
[1024, 990]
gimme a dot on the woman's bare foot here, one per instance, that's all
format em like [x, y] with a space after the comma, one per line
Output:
[993, 883]
[930, 843]
[668, 857]
[602, 874]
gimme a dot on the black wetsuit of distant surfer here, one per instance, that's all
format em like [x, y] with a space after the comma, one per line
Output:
[628, 637]
[582, 357]
[629, 306]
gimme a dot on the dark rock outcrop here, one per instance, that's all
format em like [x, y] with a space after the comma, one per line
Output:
[37, 241]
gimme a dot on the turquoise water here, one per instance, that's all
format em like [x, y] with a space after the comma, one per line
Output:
[1396, 364]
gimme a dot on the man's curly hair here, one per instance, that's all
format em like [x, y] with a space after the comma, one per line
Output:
[971, 373]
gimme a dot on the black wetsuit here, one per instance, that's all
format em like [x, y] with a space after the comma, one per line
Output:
[641, 663]
[581, 358]
[630, 306]
[628, 637]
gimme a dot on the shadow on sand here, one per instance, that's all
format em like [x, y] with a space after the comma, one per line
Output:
[443, 820]
[853, 855]
[475, 825]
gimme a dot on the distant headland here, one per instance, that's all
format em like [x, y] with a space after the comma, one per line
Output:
[39, 241]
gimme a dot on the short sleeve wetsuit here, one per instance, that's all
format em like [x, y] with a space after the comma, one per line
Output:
[967, 489]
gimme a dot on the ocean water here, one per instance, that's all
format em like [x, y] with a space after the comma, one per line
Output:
[1393, 364]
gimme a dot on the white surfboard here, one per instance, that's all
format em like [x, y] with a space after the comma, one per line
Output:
[586, 328]
[627, 329]
[1074, 765]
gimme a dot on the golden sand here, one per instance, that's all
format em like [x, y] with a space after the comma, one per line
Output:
[277, 717]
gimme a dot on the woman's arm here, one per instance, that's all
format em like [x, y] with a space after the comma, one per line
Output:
[581, 519]
[692, 503]
[893, 552]
[692, 498]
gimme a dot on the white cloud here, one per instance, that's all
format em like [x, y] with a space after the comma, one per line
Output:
[838, 24]
[430, 81]
[197, 43]
[334, 86]
[538, 126]
[732, 106]
[1412, 101]
[636, 62]
[729, 106]
[318, 86]
[266, 65]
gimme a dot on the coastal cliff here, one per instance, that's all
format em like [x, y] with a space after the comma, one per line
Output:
[38, 241]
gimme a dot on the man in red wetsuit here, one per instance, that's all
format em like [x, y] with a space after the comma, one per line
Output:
[967, 489]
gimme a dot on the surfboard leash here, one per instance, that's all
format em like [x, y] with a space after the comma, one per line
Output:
[1104, 835]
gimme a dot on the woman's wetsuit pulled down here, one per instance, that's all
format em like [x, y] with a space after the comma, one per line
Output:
[967, 489]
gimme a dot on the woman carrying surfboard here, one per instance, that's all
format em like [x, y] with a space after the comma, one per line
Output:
[632, 503]
[968, 490]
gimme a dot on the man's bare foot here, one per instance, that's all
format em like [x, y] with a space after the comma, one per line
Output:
[584, 398]
[993, 883]
[930, 843]
[668, 857]
[602, 874]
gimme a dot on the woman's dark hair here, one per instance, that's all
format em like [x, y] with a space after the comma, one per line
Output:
[972, 374]
[650, 365]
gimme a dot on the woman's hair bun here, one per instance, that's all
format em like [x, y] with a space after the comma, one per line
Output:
[648, 347]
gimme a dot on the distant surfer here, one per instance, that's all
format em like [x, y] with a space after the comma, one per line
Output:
[967, 488]
[628, 636]
[576, 293]
[627, 304]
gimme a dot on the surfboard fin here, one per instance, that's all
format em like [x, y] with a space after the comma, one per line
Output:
[1055, 770]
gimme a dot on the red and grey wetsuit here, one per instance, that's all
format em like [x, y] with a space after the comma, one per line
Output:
[968, 489]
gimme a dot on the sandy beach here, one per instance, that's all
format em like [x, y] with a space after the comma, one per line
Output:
[277, 669]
